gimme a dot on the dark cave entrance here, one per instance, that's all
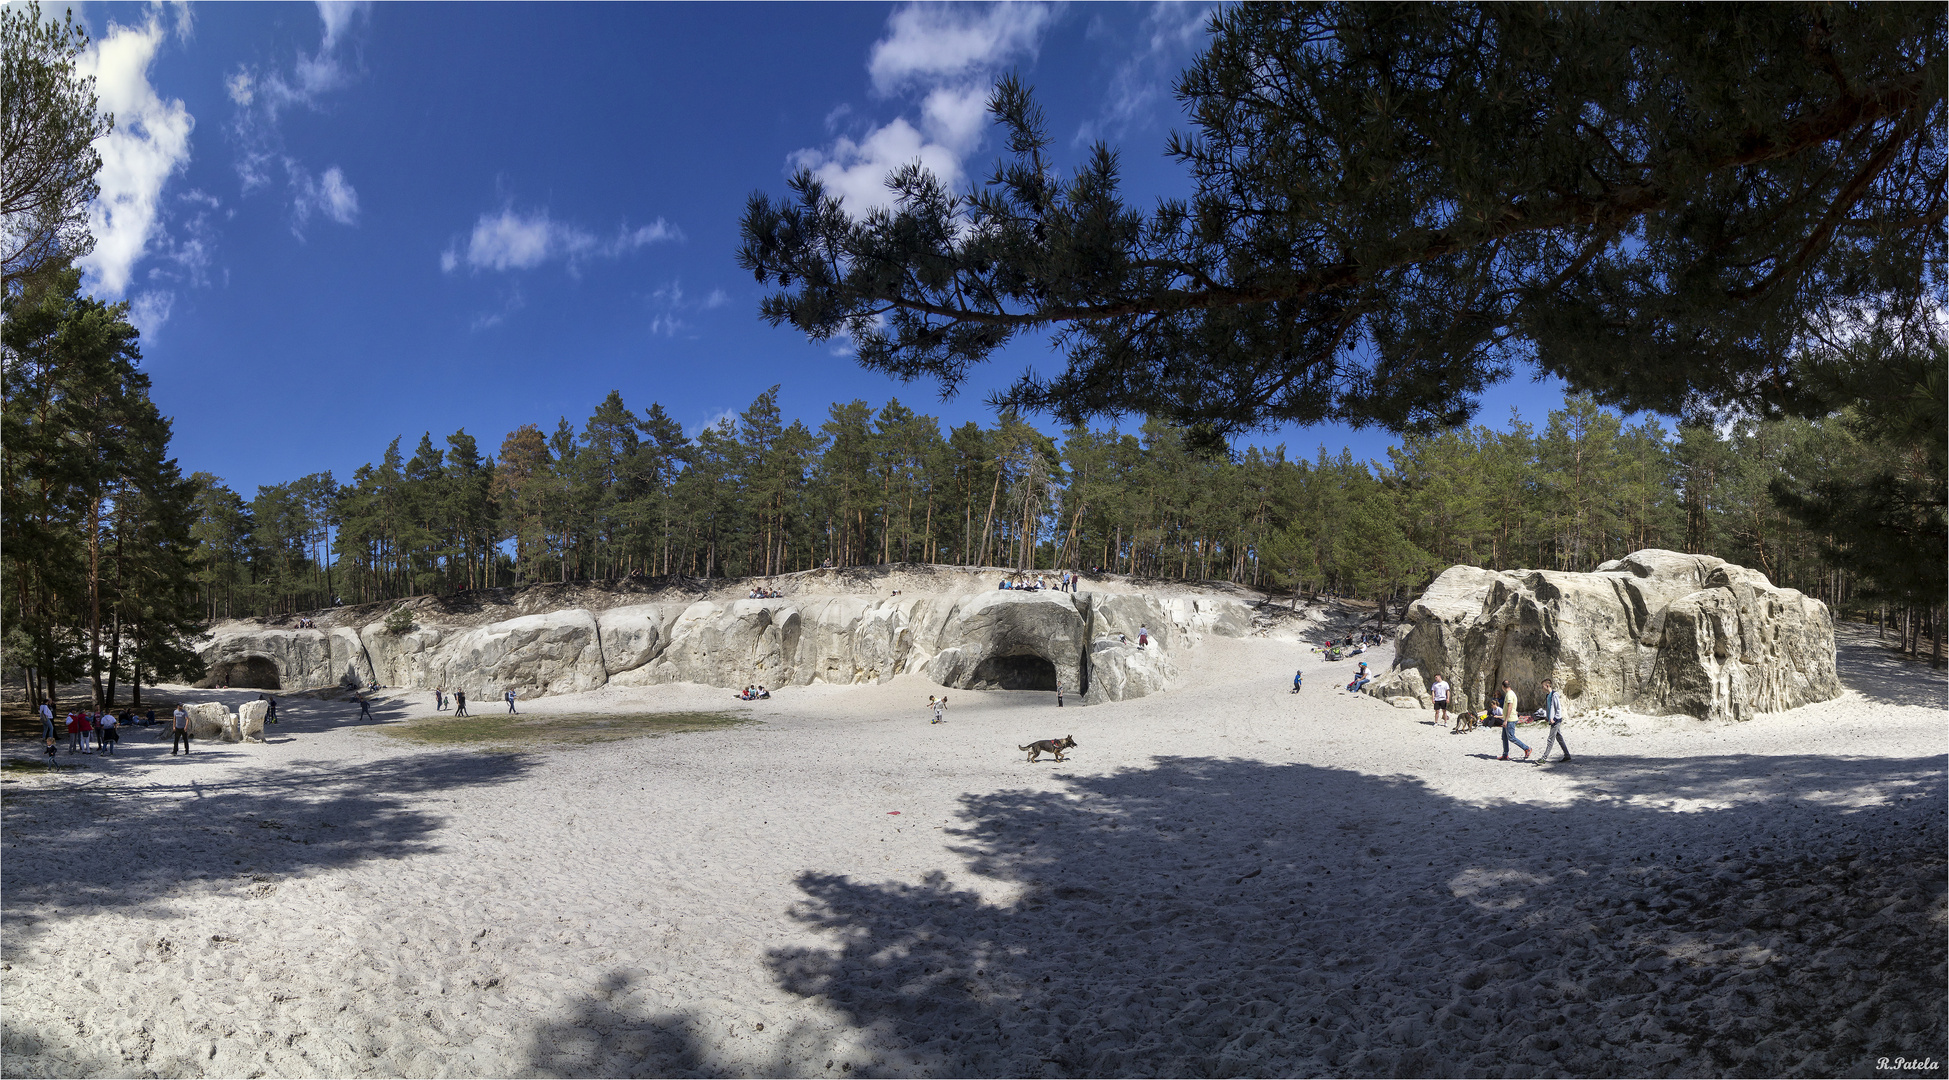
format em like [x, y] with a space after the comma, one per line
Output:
[253, 672]
[1021, 672]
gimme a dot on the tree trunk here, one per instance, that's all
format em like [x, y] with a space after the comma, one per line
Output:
[981, 553]
[95, 599]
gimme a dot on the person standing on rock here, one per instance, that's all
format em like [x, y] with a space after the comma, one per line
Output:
[181, 729]
[1439, 692]
[1509, 716]
[1143, 636]
[1553, 712]
[460, 703]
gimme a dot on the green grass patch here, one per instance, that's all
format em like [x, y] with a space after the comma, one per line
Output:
[539, 731]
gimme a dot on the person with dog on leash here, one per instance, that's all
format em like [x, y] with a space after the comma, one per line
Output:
[1553, 713]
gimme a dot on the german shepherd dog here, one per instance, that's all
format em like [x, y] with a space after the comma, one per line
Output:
[1053, 746]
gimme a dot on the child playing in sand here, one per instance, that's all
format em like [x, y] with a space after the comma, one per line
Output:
[937, 706]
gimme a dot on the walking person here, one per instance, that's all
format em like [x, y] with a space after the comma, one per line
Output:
[365, 708]
[180, 726]
[439, 699]
[1553, 712]
[460, 703]
[1509, 716]
[1439, 692]
[270, 709]
[509, 698]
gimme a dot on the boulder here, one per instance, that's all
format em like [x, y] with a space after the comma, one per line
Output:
[209, 720]
[250, 720]
[1657, 632]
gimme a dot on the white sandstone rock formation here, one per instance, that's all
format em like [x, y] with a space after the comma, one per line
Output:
[1119, 670]
[209, 720]
[989, 639]
[250, 720]
[1656, 632]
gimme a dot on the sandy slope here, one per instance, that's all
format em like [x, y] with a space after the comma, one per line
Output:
[1226, 879]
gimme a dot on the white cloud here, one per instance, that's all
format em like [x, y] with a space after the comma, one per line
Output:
[512, 301]
[149, 144]
[327, 194]
[857, 171]
[337, 16]
[262, 96]
[716, 419]
[149, 310]
[717, 299]
[185, 18]
[511, 240]
[944, 57]
[929, 43]
[1171, 32]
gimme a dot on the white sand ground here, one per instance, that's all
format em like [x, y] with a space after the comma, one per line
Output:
[1225, 879]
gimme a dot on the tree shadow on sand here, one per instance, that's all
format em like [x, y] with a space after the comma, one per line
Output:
[1206, 917]
[1738, 915]
[1879, 671]
[74, 848]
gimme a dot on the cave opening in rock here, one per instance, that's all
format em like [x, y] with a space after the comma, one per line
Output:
[254, 672]
[1020, 672]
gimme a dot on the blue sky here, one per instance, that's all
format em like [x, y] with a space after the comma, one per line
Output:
[340, 223]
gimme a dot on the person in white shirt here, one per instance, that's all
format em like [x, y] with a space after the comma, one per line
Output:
[1439, 692]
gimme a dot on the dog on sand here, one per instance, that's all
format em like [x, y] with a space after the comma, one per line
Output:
[1053, 746]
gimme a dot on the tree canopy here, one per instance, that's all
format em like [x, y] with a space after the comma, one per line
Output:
[48, 126]
[1396, 205]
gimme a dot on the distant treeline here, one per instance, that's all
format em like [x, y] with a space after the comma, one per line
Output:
[628, 494]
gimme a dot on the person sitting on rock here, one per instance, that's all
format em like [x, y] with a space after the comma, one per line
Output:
[762, 692]
[1360, 678]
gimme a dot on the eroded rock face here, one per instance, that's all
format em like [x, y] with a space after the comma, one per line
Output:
[250, 720]
[1119, 670]
[1655, 632]
[979, 640]
[209, 720]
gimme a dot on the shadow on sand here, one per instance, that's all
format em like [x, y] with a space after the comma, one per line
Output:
[1881, 673]
[98, 845]
[1209, 917]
